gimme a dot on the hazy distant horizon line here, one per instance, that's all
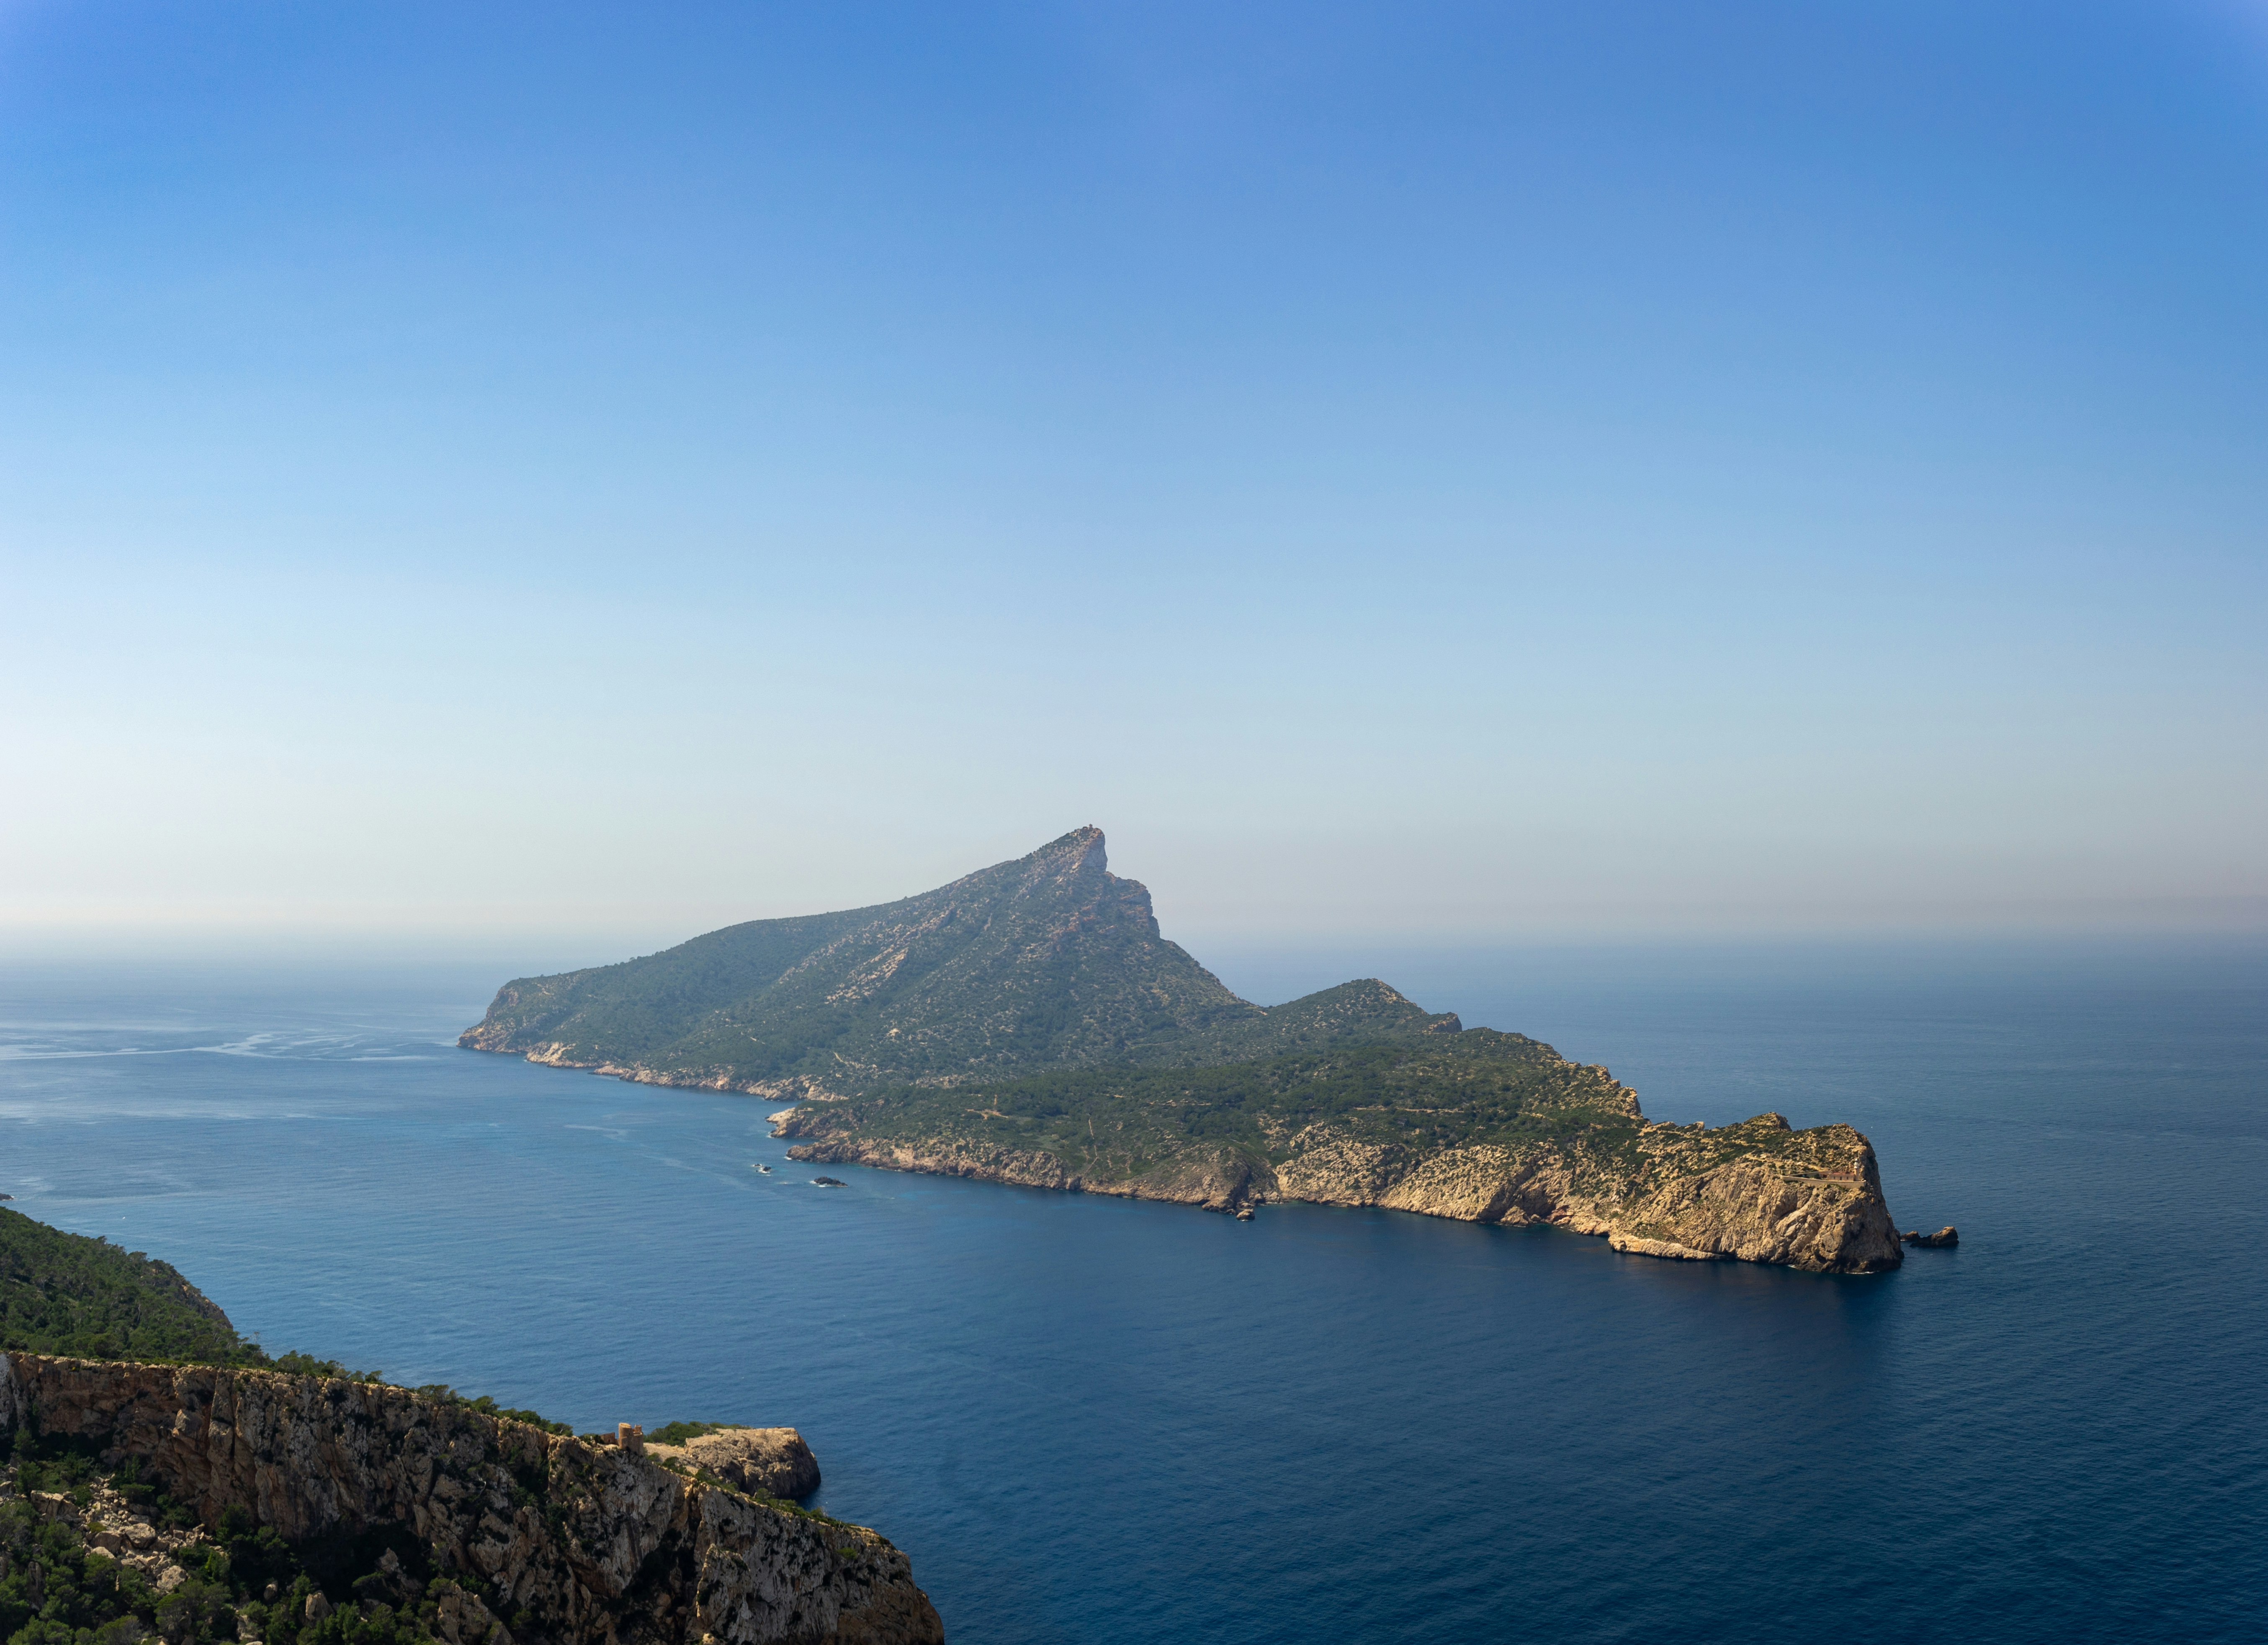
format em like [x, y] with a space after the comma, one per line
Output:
[623, 936]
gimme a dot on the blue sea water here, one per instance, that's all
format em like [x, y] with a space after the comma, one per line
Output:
[1089, 1420]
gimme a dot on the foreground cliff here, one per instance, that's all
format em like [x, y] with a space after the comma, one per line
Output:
[475, 1530]
[1480, 1126]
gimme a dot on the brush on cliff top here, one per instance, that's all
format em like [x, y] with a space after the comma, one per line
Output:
[77, 1294]
[70, 1293]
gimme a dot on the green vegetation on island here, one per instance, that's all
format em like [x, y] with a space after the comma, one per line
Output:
[1476, 1086]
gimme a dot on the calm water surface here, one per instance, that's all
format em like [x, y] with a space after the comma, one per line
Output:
[1093, 1421]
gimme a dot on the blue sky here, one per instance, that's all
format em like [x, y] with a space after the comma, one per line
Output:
[1442, 472]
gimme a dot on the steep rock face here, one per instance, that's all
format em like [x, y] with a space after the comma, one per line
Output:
[1757, 1191]
[1808, 1199]
[595, 1546]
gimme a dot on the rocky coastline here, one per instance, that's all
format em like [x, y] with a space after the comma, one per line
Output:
[1757, 1191]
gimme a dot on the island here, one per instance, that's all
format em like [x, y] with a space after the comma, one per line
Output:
[1029, 1023]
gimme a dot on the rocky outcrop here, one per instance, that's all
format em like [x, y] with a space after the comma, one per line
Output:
[764, 1462]
[1939, 1241]
[110, 1524]
[578, 1544]
[1757, 1191]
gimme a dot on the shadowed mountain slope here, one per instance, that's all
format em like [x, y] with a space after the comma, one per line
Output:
[1050, 960]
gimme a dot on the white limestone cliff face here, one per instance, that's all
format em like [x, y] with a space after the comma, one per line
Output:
[595, 1546]
[1757, 1191]
[765, 1462]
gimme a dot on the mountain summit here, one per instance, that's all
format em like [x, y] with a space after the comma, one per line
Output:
[1049, 960]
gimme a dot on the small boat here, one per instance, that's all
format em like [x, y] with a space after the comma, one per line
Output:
[766, 1169]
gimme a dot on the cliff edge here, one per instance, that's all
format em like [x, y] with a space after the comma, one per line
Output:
[575, 1544]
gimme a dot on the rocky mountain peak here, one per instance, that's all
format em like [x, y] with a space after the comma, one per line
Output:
[1083, 843]
[1074, 863]
[1078, 855]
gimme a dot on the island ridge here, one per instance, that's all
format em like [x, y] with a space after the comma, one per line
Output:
[1029, 1023]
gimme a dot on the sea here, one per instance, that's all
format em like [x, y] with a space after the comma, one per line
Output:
[1093, 1420]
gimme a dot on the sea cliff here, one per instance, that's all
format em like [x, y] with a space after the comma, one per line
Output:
[559, 1541]
[1757, 1191]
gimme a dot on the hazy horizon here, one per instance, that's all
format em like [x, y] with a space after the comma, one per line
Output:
[1264, 967]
